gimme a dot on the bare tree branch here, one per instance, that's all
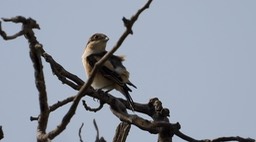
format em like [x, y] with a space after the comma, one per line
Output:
[40, 83]
[79, 133]
[63, 75]
[55, 106]
[1, 133]
[97, 130]
[33, 118]
[237, 138]
[98, 138]
[122, 132]
[27, 30]
[93, 109]
[160, 126]
[129, 23]
[61, 103]
[27, 26]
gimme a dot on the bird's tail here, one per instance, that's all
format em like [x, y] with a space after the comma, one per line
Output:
[125, 91]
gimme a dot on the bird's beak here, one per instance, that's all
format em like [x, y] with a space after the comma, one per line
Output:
[37, 26]
[106, 38]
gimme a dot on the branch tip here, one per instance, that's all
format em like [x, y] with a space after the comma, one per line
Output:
[32, 118]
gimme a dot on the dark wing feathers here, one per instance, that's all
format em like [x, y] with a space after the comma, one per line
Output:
[116, 61]
[106, 72]
[92, 60]
[112, 75]
[129, 83]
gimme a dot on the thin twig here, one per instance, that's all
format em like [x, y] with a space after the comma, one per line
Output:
[33, 118]
[97, 130]
[80, 132]
[98, 138]
[61, 103]
[93, 109]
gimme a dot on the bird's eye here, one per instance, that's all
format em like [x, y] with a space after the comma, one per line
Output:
[96, 37]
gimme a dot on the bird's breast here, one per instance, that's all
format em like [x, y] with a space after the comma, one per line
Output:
[100, 82]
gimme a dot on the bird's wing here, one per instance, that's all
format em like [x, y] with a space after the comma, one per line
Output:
[94, 58]
[112, 69]
[120, 68]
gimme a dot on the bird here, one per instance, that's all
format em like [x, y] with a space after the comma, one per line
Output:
[112, 74]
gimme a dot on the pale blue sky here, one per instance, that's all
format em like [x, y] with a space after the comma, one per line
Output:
[197, 56]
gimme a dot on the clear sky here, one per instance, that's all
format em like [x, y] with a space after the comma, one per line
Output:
[198, 57]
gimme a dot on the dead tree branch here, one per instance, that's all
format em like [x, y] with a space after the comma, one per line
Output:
[1, 133]
[98, 138]
[93, 109]
[237, 138]
[63, 75]
[61, 103]
[79, 133]
[122, 131]
[160, 125]
[27, 30]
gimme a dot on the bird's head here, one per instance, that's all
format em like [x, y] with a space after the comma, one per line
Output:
[97, 42]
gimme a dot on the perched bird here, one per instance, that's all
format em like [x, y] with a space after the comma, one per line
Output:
[112, 74]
